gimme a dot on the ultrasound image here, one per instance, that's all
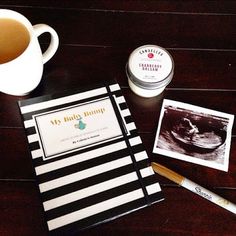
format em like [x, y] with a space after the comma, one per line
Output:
[193, 134]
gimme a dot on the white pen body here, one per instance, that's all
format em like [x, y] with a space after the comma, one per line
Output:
[199, 190]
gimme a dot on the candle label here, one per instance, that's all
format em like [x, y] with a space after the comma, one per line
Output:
[150, 63]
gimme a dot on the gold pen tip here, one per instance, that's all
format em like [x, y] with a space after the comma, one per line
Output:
[169, 174]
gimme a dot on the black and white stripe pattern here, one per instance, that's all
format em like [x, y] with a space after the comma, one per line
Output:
[96, 184]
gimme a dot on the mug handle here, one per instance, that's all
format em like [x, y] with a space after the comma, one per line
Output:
[54, 43]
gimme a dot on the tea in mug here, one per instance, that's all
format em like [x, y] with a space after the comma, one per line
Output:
[14, 39]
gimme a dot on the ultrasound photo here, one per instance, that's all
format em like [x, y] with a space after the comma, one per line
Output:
[194, 134]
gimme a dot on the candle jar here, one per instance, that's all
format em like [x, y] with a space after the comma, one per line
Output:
[150, 69]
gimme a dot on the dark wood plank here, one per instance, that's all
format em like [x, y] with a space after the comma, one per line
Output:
[21, 210]
[134, 28]
[15, 157]
[181, 213]
[199, 6]
[201, 69]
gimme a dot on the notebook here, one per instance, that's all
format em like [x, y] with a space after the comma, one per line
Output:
[89, 161]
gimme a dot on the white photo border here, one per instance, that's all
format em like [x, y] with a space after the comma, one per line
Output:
[187, 157]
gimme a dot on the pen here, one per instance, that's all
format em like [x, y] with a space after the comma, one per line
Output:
[193, 187]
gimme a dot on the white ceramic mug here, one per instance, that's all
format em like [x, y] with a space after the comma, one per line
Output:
[22, 74]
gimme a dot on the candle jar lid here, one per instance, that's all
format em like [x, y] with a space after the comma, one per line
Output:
[150, 67]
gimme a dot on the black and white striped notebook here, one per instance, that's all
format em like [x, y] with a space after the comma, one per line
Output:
[89, 161]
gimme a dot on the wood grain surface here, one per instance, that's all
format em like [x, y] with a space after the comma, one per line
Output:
[96, 38]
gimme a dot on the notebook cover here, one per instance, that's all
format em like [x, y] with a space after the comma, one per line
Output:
[89, 161]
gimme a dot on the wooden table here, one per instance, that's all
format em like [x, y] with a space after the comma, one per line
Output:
[96, 38]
